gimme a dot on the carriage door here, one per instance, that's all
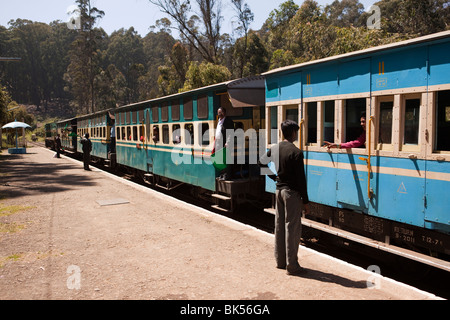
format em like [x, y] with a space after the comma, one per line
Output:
[148, 137]
[351, 184]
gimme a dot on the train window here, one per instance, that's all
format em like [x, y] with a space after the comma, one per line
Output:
[328, 121]
[204, 134]
[189, 132]
[155, 134]
[311, 111]
[175, 110]
[412, 116]
[129, 133]
[176, 134]
[354, 109]
[135, 133]
[187, 108]
[273, 118]
[202, 107]
[165, 134]
[118, 133]
[134, 116]
[385, 122]
[165, 112]
[141, 133]
[443, 121]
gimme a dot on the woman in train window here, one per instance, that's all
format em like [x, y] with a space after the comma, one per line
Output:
[360, 141]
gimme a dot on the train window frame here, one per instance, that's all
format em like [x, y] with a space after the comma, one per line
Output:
[439, 125]
[345, 123]
[191, 140]
[291, 112]
[155, 137]
[384, 146]
[176, 136]
[165, 134]
[325, 124]
[272, 125]
[201, 131]
[410, 147]
[311, 120]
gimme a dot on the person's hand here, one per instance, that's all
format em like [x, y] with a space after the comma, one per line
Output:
[329, 145]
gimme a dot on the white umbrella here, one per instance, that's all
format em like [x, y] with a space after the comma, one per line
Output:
[15, 125]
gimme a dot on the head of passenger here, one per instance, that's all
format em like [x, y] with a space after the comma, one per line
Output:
[221, 113]
[363, 121]
[86, 135]
[290, 128]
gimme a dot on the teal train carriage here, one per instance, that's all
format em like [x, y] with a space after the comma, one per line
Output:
[395, 189]
[170, 140]
[98, 125]
[67, 130]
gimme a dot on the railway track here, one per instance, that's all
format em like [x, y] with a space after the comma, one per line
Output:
[422, 276]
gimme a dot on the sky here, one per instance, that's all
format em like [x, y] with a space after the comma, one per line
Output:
[141, 14]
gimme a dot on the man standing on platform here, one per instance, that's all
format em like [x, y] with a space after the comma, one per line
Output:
[87, 148]
[291, 198]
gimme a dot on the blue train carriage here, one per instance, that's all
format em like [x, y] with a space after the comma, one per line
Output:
[395, 188]
[170, 139]
[98, 125]
[67, 130]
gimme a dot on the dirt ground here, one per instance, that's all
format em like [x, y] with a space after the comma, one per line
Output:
[58, 240]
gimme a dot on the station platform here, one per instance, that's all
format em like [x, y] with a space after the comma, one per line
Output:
[67, 233]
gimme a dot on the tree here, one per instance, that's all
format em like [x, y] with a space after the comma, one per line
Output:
[84, 58]
[205, 39]
[5, 99]
[245, 17]
[345, 13]
[126, 52]
[204, 74]
[415, 17]
[278, 24]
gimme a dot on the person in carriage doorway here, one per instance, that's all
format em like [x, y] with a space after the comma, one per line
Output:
[291, 197]
[58, 146]
[87, 148]
[224, 134]
[359, 142]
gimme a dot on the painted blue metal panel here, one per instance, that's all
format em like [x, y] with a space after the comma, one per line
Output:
[437, 195]
[321, 81]
[290, 85]
[285, 87]
[400, 69]
[439, 64]
[321, 179]
[354, 76]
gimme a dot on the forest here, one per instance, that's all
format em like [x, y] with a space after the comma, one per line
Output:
[84, 70]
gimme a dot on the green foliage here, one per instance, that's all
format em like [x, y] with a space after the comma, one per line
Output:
[87, 70]
[204, 74]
